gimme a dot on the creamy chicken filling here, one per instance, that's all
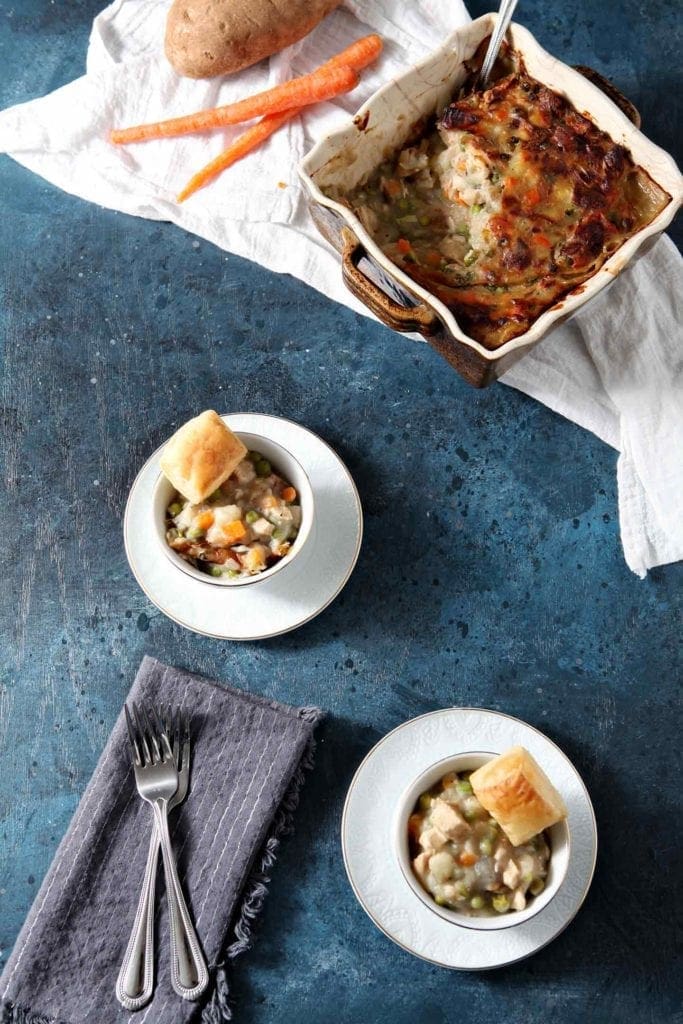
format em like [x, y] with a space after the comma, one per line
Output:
[464, 860]
[247, 525]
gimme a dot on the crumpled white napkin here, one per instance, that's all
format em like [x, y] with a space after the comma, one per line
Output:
[617, 369]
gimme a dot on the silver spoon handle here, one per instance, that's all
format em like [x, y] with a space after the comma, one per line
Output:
[135, 983]
[189, 974]
[507, 9]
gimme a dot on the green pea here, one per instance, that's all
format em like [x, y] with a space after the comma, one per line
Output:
[404, 204]
[441, 901]
[538, 885]
[425, 221]
[464, 786]
[254, 456]
[425, 802]
[501, 904]
[486, 847]
[216, 570]
[463, 231]
[175, 509]
[232, 573]
[262, 467]
[477, 207]
[217, 494]
[477, 902]
[251, 516]
[280, 533]
[469, 815]
[462, 890]
[194, 533]
[470, 258]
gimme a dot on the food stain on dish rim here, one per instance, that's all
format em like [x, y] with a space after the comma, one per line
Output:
[559, 840]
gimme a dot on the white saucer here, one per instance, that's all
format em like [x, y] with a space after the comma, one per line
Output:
[372, 863]
[289, 598]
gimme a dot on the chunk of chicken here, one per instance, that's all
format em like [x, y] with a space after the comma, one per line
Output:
[518, 900]
[512, 874]
[262, 528]
[255, 558]
[432, 840]
[449, 820]
[421, 866]
[245, 472]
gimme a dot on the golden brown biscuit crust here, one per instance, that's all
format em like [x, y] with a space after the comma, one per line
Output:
[201, 455]
[515, 791]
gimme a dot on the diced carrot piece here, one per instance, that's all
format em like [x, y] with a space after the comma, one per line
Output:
[544, 240]
[393, 187]
[403, 245]
[204, 520]
[532, 198]
[433, 258]
[467, 859]
[414, 825]
[289, 494]
[235, 531]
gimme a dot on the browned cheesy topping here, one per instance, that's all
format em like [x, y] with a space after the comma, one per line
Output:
[506, 202]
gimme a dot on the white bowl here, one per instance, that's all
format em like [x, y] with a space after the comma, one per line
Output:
[558, 840]
[344, 157]
[284, 463]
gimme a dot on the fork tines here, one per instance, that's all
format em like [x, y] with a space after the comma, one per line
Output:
[156, 735]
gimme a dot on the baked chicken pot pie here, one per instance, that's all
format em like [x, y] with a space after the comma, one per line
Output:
[458, 858]
[248, 525]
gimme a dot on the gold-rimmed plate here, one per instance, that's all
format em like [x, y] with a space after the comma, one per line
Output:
[370, 850]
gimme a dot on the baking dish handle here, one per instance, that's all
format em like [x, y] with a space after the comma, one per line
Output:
[612, 93]
[400, 318]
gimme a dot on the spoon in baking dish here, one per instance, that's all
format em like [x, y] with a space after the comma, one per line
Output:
[507, 9]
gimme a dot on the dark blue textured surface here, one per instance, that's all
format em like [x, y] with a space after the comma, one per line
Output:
[116, 329]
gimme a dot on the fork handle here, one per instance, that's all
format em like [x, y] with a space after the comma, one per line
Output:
[189, 974]
[135, 983]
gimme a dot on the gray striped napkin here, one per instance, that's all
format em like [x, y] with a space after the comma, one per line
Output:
[249, 756]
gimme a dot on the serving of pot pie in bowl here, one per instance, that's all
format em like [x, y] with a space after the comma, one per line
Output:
[229, 508]
[483, 219]
[483, 840]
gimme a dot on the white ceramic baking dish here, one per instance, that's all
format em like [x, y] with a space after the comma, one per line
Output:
[346, 156]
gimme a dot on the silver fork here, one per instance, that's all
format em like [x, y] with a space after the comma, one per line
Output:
[156, 777]
[135, 983]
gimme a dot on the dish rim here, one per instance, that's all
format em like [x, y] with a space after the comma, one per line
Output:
[523, 41]
[380, 926]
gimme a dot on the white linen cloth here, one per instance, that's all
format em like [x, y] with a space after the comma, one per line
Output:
[617, 370]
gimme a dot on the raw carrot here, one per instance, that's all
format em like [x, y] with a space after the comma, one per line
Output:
[322, 84]
[358, 55]
[242, 145]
